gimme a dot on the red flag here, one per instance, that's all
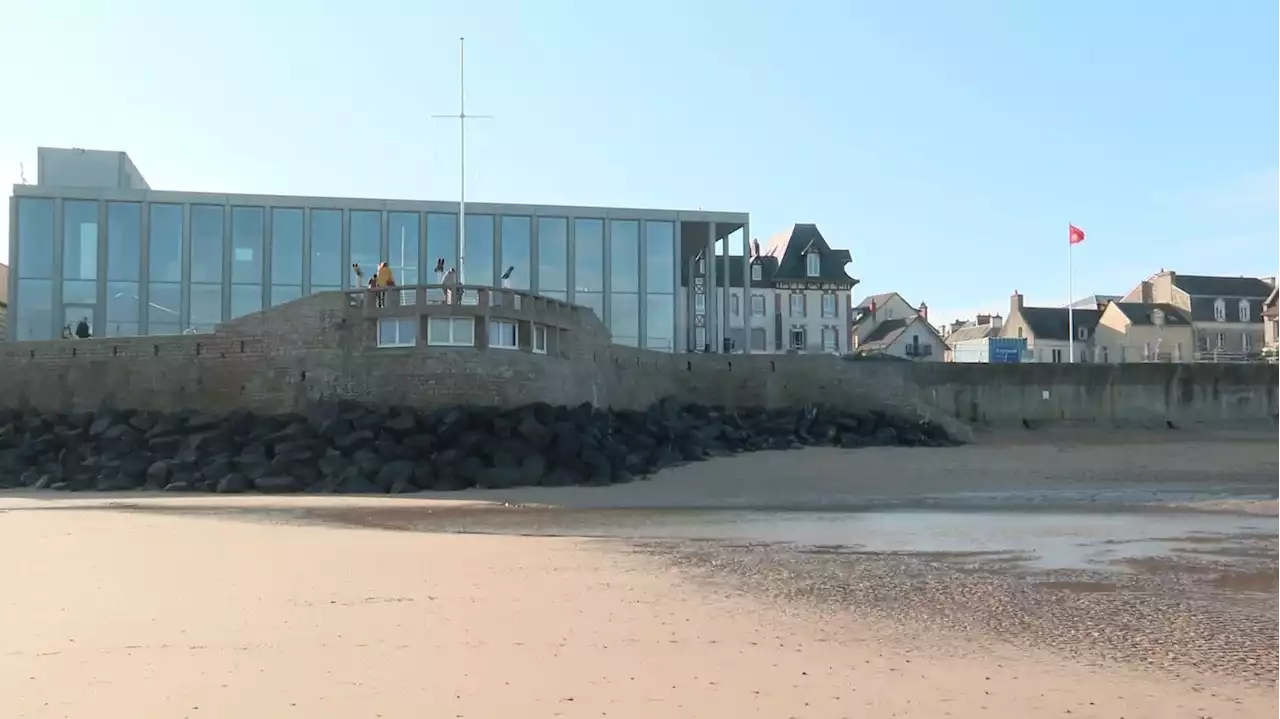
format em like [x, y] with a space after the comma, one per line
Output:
[1075, 235]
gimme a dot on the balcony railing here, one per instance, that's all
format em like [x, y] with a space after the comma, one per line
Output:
[447, 299]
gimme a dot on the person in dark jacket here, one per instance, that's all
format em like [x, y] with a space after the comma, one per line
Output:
[82, 329]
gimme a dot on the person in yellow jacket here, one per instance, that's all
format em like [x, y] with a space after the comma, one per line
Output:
[384, 279]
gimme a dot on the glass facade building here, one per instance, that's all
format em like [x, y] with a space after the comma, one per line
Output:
[145, 262]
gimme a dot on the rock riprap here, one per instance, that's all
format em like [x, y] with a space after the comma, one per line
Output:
[353, 448]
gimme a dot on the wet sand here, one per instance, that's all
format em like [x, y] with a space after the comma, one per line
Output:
[120, 605]
[127, 614]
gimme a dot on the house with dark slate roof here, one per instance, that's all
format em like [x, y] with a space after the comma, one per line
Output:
[1137, 332]
[1048, 331]
[887, 325]
[795, 300]
[1226, 312]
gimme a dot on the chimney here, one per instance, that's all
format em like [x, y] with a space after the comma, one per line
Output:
[1146, 292]
[996, 322]
[924, 311]
[1015, 302]
[983, 320]
[957, 325]
[1271, 281]
[755, 247]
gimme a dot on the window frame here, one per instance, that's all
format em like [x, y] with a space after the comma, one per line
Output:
[1245, 343]
[539, 339]
[829, 299]
[791, 304]
[764, 309]
[1222, 341]
[399, 323]
[495, 324]
[835, 339]
[812, 264]
[453, 323]
[791, 338]
[757, 272]
[1220, 310]
[1243, 309]
[700, 303]
[735, 304]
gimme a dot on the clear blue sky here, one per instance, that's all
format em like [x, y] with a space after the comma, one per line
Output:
[947, 144]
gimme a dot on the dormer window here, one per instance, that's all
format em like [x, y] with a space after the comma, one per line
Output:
[812, 264]
[1244, 310]
[1082, 333]
[756, 272]
[1219, 310]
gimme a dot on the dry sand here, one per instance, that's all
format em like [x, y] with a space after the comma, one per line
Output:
[118, 614]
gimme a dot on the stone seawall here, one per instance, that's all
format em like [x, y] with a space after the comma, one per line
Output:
[315, 349]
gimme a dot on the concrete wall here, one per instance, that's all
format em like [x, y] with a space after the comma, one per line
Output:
[319, 348]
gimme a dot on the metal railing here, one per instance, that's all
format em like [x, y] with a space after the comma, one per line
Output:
[427, 296]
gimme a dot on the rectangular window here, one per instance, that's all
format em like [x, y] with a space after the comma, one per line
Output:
[477, 258]
[1222, 341]
[758, 339]
[397, 332]
[515, 258]
[124, 241]
[286, 255]
[504, 335]
[402, 247]
[659, 257]
[812, 264]
[735, 304]
[624, 318]
[326, 250]
[757, 305]
[797, 339]
[164, 308]
[34, 319]
[553, 256]
[829, 306]
[624, 256]
[442, 243]
[588, 258]
[660, 323]
[700, 339]
[246, 245]
[756, 272]
[206, 306]
[1244, 342]
[35, 241]
[451, 331]
[366, 240]
[165, 262]
[700, 304]
[79, 240]
[1057, 355]
[540, 339]
[206, 244]
[123, 308]
[829, 339]
[797, 305]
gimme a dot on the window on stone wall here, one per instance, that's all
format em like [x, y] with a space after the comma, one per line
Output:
[504, 335]
[797, 338]
[1220, 310]
[451, 331]
[797, 305]
[1222, 341]
[540, 339]
[828, 306]
[735, 305]
[1244, 310]
[397, 332]
[828, 338]
[756, 272]
[757, 305]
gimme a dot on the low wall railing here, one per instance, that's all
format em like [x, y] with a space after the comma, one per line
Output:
[442, 299]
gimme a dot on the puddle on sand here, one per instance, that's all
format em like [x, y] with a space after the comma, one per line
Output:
[1040, 540]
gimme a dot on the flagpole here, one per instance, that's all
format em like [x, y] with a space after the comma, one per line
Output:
[1071, 302]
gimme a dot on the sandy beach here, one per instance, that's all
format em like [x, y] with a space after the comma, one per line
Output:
[126, 606]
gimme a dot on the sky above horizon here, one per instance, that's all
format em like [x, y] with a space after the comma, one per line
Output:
[947, 145]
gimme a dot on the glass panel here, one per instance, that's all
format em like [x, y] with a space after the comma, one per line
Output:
[442, 242]
[553, 256]
[245, 299]
[164, 305]
[478, 253]
[624, 256]
[562, 296]
[624, 318]
[659, 256]
[73, 315]
[502, 334]
[124, 241]
[206, 243]
[286, 246]
[591, 300]
[326, 248]
[438, 330]
[166, 243]
[402, 246]
[281, 294]
[246, 245]
[123, 308]
[206, 307]
[659, 322]
[35, 240]
[515, 251]
[366, 240]
[464, 330]
[79, 240]
[588, 258]
[84, 292]
[35, 307]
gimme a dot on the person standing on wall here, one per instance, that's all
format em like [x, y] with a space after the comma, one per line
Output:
[385, 279]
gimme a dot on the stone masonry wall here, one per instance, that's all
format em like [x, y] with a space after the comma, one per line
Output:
[318, 348]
